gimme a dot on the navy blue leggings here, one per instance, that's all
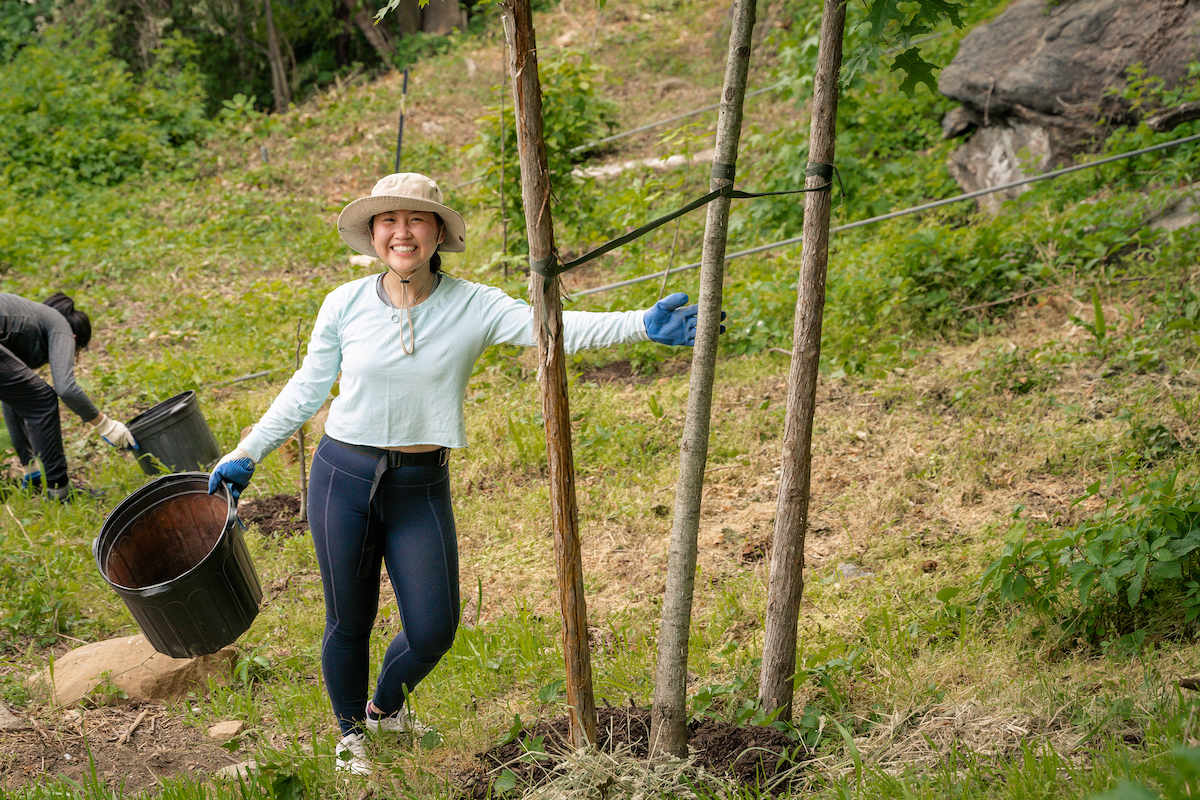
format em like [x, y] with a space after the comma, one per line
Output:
[411, 524]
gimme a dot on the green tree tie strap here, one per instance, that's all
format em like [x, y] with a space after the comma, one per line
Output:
[549, 267]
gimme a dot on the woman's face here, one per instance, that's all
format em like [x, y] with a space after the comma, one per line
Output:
[406, 240]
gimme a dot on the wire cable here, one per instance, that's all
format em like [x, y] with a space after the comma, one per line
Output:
[903, 212]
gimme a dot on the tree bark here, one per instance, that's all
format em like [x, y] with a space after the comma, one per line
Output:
[1171, 118]
[786, 582]
[375, 35]
[545, 296]
[442, 17]
[279, 81]
[668, 734]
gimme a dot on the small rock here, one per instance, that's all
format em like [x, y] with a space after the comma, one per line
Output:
[226, 730]
[360, 261]
[8, 720]
[664, 87]
[234, 771]
[432, 128]
[1179, 216]
[850, 572]
[960, 121]
[929, 565]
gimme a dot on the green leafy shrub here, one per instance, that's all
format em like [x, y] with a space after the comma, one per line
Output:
[243, 120]
[1135, 566]
[573, 114]
[18, 22]
[71, 113]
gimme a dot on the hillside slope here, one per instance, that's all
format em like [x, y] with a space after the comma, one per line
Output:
[946, 431]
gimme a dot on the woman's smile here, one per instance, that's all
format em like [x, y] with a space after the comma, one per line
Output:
[406, 240]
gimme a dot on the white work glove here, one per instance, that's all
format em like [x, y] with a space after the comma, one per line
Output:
[113, 432]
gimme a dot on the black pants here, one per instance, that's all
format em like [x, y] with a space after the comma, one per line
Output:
[31, 414]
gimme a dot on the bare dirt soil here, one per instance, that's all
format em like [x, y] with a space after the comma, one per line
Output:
[751, 756]
[275, 515]
[94, 746]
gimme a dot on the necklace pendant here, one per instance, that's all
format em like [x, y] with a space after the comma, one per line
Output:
[395, 317]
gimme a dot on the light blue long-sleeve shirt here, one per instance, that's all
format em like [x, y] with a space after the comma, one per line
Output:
[390, 398]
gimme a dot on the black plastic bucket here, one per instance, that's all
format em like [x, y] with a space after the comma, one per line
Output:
[175, 433]
[176, 555]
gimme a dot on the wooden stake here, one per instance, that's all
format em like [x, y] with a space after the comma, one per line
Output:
[545, 297]
[668, 719]
[786, 585]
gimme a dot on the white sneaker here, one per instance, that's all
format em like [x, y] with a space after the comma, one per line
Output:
[351, 755]
[404, 721]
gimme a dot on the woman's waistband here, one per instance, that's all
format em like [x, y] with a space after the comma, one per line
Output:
[395, 458]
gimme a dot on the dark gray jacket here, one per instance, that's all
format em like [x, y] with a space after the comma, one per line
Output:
[37, 334]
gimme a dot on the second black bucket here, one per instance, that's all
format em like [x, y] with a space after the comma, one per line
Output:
[175, 554]
[174, 432]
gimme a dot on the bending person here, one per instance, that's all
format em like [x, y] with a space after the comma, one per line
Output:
[404, 341]
[32, 335]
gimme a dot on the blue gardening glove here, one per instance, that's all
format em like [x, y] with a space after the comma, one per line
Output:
[235, 469]
[669, 321]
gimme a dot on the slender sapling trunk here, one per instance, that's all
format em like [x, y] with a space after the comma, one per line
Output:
[668, 732]
[786, 583]
[545, 297]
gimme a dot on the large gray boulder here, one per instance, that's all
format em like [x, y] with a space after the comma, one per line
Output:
[1060, 60]
[1045, 74]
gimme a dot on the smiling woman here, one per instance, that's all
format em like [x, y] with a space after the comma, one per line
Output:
[407, 241]
[404, 343]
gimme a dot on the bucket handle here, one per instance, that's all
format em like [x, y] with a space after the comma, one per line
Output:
[232, 517]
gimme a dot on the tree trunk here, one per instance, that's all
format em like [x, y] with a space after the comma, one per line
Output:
[239, 27]
[545, 296]
[442, 17]
[279, 82]
[786, 583]
[374, 34]
[408, 17]
[668, 735]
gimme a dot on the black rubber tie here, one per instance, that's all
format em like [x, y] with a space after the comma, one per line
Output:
[552, 266]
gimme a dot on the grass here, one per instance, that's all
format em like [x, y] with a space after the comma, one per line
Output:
[937, 430]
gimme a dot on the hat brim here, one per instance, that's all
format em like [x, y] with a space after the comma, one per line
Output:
[355, 229]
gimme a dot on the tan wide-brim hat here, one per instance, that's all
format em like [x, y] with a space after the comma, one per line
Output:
[408, 191]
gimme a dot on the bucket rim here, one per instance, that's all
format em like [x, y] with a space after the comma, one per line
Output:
[152, 415]
[231, 520]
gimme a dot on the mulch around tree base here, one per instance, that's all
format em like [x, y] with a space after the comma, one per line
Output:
[750, 755]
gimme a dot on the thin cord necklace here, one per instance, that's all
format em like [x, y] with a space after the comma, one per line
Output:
[404, 313]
